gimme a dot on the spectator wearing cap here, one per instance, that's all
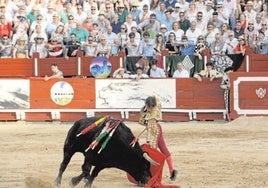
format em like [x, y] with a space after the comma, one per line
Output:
[146, 47]
[5, 13]
[180, 72]
[184, 23]
[133, 55]
[193, 32]
[160, 14]
[129, 23]
[6, 47]
[120, 73]
[155, 71]
[48, 14]
[21, 48]
[191, 12]
[241, 47]
[39, 47]
[208, 11]
[20, 28]
[135, 12]
[176, 13]
[223, 13]
[164, 32]
[102, 22]
[169, 20]
[79, 14]
[122, 12]
[250, 12]
[38, 31]
[152, 22]
[81, 33]
[209, 72]
[145, 14]
[65, 13]
[51, 27]
[110, 35]
[6, 27]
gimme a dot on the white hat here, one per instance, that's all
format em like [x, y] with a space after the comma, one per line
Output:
[163, 26]
[177, 5]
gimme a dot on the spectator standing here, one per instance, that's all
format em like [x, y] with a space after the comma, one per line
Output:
[180, 72]
[133, 55]
[146, 48]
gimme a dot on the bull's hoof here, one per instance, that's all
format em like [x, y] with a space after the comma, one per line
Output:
[75, 181]
[57, 182]
[174, 175]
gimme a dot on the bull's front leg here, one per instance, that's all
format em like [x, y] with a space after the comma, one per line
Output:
[86, 167]
[66, 159]
[94, 174]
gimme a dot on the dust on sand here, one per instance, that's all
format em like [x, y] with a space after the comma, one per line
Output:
[207, 154]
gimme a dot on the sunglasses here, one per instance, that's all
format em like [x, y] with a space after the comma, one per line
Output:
[4, 38]
[90, 40]
[123, 28]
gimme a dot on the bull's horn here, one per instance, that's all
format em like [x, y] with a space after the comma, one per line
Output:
[148, 158]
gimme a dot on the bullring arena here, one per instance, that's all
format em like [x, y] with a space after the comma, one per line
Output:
[207, 154]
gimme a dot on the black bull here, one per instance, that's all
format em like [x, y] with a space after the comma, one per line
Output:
[118, 153]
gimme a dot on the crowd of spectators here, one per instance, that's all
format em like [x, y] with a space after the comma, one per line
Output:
[139, 28]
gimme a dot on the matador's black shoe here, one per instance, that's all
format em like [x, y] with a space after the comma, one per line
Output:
[174, 175]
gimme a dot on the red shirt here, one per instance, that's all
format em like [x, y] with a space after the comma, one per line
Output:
[5, 29]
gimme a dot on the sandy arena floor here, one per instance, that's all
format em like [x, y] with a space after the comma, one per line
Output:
[207, 155]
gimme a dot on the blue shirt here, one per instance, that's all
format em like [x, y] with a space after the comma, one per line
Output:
[147, 48]
[188, 50]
